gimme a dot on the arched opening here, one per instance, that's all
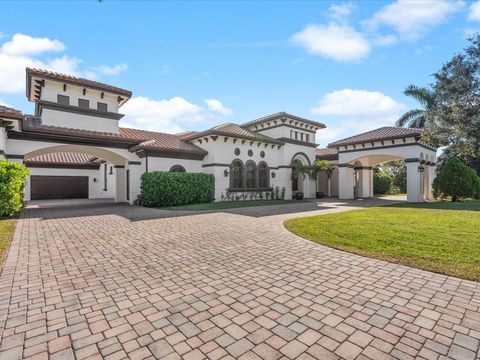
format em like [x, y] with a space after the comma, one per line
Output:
[300, 174]
[250, 174]
[263, 175]
[236, 174]
[68, 172]
[177, 168]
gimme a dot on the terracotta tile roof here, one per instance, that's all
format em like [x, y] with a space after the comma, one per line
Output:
[380, 134]
[77, 81]
[141, 139]
[10, 113]
[326, 153]
[63, 158]
[281, 115]
[233, 130]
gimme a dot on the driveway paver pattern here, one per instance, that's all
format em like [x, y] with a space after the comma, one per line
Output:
[120, 282]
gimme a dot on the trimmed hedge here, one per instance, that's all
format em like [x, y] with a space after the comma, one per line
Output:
[457, 181]
[174, 188]
[382, 183]
[12, 192]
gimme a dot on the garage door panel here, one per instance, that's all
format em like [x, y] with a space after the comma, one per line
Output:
[59, 187]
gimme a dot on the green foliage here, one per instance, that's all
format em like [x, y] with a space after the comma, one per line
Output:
[417, 118]
[382, 183]
[323, 165]
[398, 171]
[456, 180]
[12, 193]
[298, 168]
[174, 188]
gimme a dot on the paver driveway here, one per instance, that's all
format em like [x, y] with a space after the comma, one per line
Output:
[119, 281]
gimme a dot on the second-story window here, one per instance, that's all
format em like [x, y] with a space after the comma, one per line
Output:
[64, 100]
[102, 106]
[307, 138]
[83, 103]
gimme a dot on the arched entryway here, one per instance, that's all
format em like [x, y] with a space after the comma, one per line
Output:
[300, 180]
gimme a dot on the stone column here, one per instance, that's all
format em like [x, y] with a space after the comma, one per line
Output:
[120, 182]
[414, 183]
[431, 177]
[365, 182]
[135, 172]
[345, 182]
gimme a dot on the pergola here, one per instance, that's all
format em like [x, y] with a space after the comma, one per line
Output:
[357, 156]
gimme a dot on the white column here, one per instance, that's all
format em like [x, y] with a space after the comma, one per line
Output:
[345, 182]
[120, 182]
[365, 182]
[135, 172]
[431, 177]
[414, 182]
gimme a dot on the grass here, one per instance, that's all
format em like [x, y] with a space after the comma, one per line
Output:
[230, 205]
[7, 226]
[441, 237]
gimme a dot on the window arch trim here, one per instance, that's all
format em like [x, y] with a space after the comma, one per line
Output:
[177, 168]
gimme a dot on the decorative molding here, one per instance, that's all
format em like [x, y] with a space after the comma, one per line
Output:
[298, 142]
[387, 147]
[412, 160]
[61, 166]
[119, 166]
[215, 164]
[41, 104]
[300, 153]
[134, 163]
[172, 154]
[286, 125]
[14, 156]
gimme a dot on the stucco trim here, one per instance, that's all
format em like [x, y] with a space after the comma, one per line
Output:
[297, 142]
[216, 164]
[41, 104]
[134, 163]
[173, 154]
[61, 166]
[300, 153]
[386, 147]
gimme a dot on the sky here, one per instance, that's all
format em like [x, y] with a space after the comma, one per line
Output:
[194, 65]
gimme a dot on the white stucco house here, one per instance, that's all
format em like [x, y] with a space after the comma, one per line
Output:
[74, 146]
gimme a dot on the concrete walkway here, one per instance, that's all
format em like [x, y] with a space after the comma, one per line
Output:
[126, 282]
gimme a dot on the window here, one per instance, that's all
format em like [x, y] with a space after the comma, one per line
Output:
[263, 176]
[250, 175]
[64, 100]
[291, 134]
[301, 136]
[236, 175]
[237, 151]
[177, 168]
[262, 154]
[296, 135]
[102, 106]
[83, 103]
[307, 137]
[250, 153]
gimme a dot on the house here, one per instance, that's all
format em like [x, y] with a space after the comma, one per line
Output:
[75, 147]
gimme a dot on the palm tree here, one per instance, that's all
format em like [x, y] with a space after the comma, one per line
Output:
[417, 118]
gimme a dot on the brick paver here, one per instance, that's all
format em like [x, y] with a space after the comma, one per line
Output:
[119, 282]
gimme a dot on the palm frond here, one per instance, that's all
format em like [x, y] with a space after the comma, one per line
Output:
[423, 95]
[410, 118]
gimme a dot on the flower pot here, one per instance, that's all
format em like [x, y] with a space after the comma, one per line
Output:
[299, 195]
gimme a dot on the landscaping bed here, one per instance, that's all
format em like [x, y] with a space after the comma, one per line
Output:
[442, 237]
[7, 227]
[231, 205]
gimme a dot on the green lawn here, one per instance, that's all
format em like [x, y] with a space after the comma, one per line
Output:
[230, 204]
[7, 226]
[441, 237]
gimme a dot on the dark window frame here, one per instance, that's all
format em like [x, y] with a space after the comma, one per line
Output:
[63, 99]
[251, 178]
[84, 101]
[263, 175]
[236, 175]
[100, 104]
[177, 168]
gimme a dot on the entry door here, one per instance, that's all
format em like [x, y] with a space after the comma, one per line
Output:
[58, 187]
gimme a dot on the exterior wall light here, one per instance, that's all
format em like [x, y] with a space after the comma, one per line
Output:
[225, 172]
[421, 168]
[94, 179]
[273, 174]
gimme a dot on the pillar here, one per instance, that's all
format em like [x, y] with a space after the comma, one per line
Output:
[345, 182]
[431, 177]
[365, 182]
[414, 182]
[120, 182]
[134, 174]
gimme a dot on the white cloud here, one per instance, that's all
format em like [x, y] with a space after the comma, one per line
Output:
[412, 19]
[333, 41]
[23, 51]
[22, 44]
[216, 106]
[111, 70]
[354, 111]
[166, 115]
[474, 14]
[341, 11]
[384, 40]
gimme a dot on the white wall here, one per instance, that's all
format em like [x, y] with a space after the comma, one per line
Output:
[164, 164]
[78, 121]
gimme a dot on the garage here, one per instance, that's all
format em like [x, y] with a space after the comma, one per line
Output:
[59, 187]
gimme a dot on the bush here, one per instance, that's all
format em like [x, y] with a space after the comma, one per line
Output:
[174, 188]
[12, 192]
[381, 183]
[457, 181]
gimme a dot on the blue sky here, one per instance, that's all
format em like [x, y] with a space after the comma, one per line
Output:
[192, 65]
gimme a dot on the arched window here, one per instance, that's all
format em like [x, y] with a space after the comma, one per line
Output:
[236, 175]
[263, 175]
[250, 169]
[177, 168]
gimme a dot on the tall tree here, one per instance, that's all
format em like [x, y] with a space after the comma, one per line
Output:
[417, 118]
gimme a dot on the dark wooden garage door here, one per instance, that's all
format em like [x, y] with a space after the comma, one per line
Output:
[59, 187]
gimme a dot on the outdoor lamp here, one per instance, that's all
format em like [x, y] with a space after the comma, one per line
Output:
[273, 174]
[225, 172]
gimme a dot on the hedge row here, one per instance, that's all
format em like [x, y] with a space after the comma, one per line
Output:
[174, 188]
[382, 183]
[12, 193]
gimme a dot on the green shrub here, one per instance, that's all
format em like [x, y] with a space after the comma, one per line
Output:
[457, 181]
[382, 183]
[174, 188]
[12, 192]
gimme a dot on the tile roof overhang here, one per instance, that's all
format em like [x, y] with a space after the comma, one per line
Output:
[63, 160]
[326, 153]
[282, 115]
[10, 113]
[380, 134]
[123, 94]
[234, 131]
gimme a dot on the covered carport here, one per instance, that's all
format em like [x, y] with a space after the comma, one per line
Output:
[359, 154]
